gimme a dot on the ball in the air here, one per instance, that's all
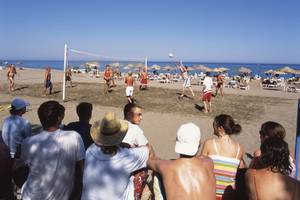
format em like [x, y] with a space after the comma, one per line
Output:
[171, 55]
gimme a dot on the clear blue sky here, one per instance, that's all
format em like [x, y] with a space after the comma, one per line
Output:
[254, 31]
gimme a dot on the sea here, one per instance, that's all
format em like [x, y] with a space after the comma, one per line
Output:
[257, 68]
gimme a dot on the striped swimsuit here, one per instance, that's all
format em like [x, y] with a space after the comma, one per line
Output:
[225, 169]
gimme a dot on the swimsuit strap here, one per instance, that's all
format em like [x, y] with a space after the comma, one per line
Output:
[215, 145]
[238, 151]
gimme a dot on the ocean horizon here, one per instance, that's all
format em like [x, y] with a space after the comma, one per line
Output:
[257, 68]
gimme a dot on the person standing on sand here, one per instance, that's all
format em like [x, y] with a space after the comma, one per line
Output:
[47, 81]
[129, 80]
[220, 85]
[144, 79]
[207, 90]
[69, 76]
[190, 176]
[107, 76]
[11, 72]
[186, 80]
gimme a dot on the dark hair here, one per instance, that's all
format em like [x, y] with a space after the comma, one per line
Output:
[275, 154]
[84, 111]
[128, 108]
[272, 129]
[109, 150]
[185, 67]
[50, 112]
[228, 124]
[13, 111]
[207, 73]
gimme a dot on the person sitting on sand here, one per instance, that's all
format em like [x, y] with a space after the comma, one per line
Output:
[55, 158]
[190, 176]
[108, 166]
[271, 129]
[107, 76]
[143, 79]
[47, 81]
[69, 76]
[129, 80]
[226, 154]
[272, 180]
[11, 72]
[186, 80]
[207, 92]
[16, 128]
[83, 126]
[220, 85]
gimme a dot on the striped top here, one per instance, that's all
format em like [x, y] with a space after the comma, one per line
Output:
[225, 169]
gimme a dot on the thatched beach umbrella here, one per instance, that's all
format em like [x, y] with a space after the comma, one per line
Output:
[155, 67]
[92, 64]
[116, 64]
[167, 68]
[190, 68]
[139, 65]
[278, 73]
[203, 68]
[244, 70]
[287, 70]
[270, 71]
[220, 70]
[129, 65]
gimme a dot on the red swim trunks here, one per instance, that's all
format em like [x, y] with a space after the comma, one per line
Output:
[206, 96]
[144, 81]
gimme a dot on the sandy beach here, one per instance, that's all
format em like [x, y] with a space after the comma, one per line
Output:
[164, 112]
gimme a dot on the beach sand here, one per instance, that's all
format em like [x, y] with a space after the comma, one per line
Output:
[163, 112]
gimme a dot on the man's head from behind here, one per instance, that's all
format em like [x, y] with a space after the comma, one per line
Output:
[84, 111]
[133, 113]
[51, 114]
[18, 106]
[188, 139]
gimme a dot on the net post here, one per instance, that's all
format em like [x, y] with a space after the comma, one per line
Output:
[297, 142]
[146, 63]
[64, 74]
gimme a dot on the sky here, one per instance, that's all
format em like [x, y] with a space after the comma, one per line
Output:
[247, 31]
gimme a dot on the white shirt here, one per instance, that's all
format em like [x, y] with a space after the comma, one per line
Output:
[208, 83]
[135, 136]
[51, 157]
[107, 177]
[15, 129]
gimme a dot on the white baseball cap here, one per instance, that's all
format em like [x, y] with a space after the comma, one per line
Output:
[188, 139]
[18, 104]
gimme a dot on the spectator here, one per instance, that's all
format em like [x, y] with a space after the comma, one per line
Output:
[83, 126]
[272, 180]
[15, 128]
[190, 176]
[108, 166]
[226, 154]
[55, 158]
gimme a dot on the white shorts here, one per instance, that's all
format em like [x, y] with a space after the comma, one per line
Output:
[187, 82]
[129, 91]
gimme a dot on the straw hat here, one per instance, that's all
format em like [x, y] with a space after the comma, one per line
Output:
[110, 131]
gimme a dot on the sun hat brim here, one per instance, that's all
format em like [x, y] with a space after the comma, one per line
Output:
[109, 140]
[186, 149]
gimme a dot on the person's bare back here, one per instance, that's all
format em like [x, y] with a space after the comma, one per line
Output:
[267, 185]
[187, 178]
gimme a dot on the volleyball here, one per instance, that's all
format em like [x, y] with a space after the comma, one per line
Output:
[171, 55]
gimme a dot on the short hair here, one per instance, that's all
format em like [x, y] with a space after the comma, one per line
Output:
[84, 110]
[228, 124]
[272, 129]
[275, 154]
[207, 73]
[128, 108]
[49, 113]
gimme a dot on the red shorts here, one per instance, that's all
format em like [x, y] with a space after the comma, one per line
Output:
[144, 81]
[206, 96]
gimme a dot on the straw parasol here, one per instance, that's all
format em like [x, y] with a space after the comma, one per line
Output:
[220, 70]
[139, 65]
[167, 68]
[270, 71]
[190, 68]
[155, 67]
[203, 68]
[244, 70]
[116, 64]
[92, 64]
[287, 70]
[278, 73]
[126, 67]
[129, 65]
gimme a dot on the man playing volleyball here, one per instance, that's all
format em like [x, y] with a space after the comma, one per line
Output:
[220, 83]
[47, 81]
[129, 80]
[207, 90]
[144, 79]
[186, 80]
[107, 76]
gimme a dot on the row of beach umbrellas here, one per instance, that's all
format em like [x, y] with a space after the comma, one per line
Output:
[203, 68]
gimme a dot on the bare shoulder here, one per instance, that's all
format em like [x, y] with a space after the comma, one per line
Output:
[206, 160]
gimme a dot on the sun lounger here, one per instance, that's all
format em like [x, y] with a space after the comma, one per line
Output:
[294, 87]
